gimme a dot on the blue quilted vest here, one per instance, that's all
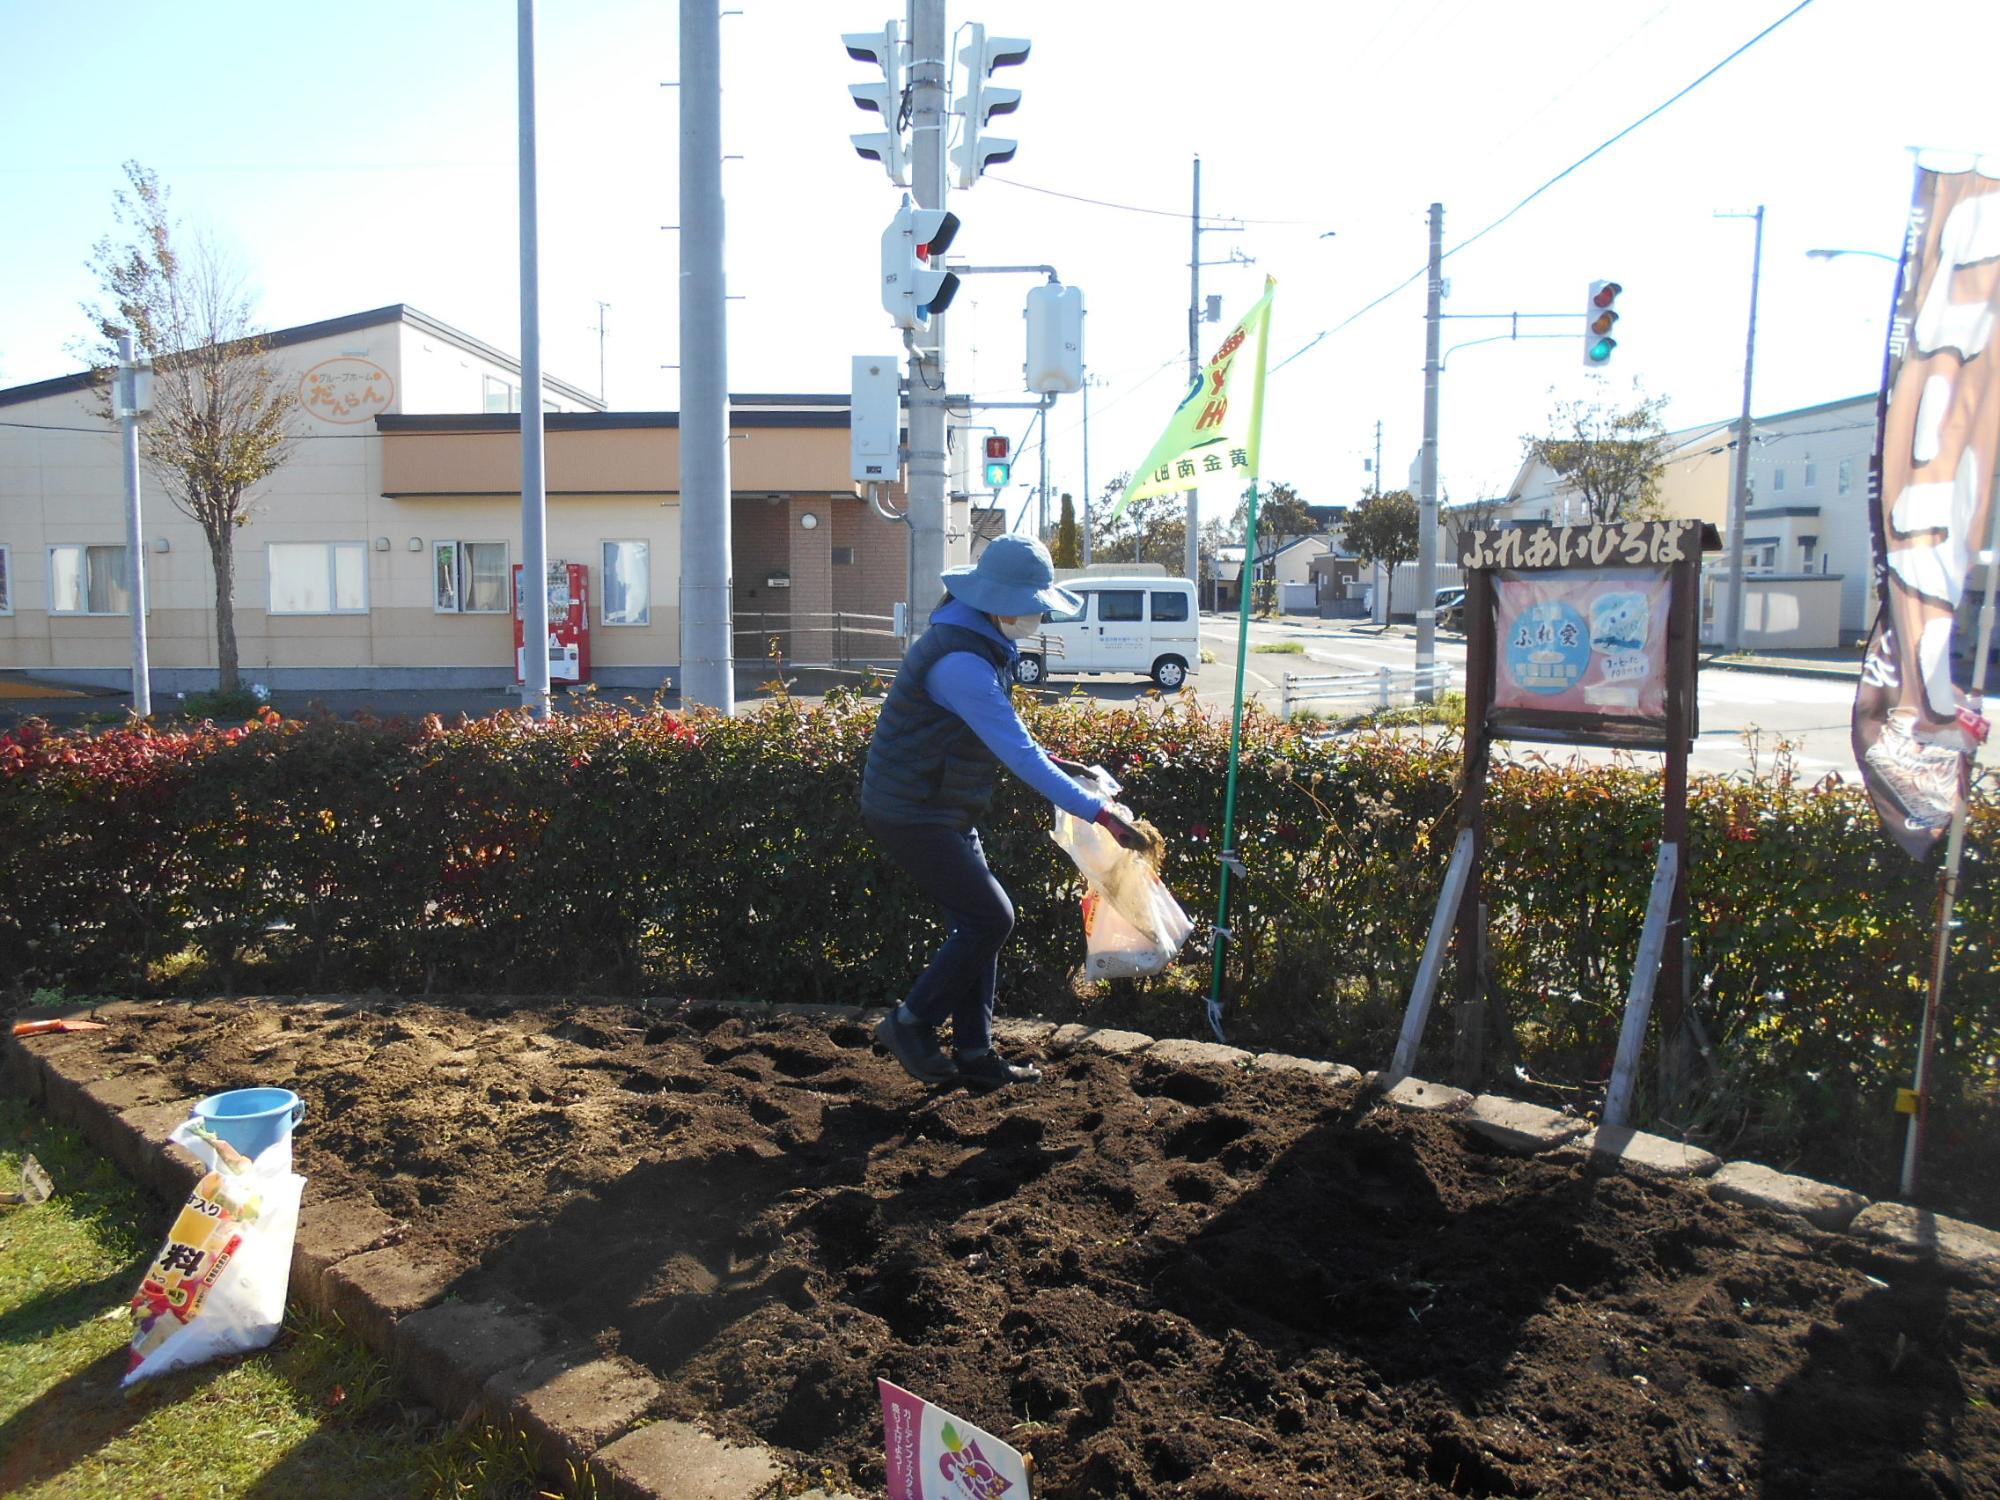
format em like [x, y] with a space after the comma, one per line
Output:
[925, 765]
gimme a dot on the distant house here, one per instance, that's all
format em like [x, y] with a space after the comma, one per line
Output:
[1288, 566]
[381, 554]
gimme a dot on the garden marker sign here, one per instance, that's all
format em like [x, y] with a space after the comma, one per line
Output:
[936, 1456]
[1579, 635]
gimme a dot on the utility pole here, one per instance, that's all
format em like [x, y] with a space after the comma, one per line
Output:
[1088, 382]
[1195, 231]
[1194, 366]
[1427, 498]
[600, 353]
[1376, 484]
[534, 479]
[1739, 499]
[127, 405]
[927, 504]
[708, 668]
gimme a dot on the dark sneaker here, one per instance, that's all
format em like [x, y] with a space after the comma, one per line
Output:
[917, 1050]
[990, 1070]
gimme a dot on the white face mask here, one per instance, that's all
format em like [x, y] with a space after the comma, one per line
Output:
[1019, 627]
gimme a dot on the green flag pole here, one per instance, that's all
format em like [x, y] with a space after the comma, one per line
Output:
[1231, 864]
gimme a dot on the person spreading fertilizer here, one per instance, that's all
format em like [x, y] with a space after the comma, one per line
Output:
[947, 726]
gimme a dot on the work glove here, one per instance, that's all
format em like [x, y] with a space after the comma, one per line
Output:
[1128, 837]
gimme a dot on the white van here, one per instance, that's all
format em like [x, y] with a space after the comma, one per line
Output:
[1147, 625]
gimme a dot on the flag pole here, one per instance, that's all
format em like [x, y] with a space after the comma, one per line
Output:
[1913, 1139]
[1246, 583]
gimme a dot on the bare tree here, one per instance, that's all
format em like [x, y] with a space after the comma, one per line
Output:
[1611, 459]
[222, 417]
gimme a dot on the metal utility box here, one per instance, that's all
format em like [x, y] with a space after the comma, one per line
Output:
[875, 419]
[1055, 339]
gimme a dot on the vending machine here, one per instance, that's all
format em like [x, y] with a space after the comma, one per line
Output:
[569, 624]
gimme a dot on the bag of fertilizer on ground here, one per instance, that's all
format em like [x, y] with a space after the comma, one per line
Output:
[218, 1284]
[1132, 926]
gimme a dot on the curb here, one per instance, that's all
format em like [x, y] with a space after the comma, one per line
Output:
[512, 1366]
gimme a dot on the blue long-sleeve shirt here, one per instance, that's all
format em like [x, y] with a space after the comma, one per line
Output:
[965, 684]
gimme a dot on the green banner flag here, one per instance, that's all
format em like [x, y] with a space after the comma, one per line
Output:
[1217, 428]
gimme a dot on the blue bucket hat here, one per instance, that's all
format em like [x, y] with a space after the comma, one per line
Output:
[1014, 576]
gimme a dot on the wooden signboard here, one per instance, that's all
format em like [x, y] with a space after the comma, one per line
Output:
[1580, 635]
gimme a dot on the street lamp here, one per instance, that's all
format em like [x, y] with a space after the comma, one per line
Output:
[1740, 491]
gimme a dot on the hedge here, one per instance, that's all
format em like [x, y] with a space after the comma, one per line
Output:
[633, 851]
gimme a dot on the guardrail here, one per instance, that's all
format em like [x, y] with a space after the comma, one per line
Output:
[1385, 687]
[837, 640]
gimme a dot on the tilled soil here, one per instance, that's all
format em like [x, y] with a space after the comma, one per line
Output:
[1160, 1279]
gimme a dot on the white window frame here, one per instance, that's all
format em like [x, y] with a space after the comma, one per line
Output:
[1811, 481]
[508, 392]
[1843, 481]
[85, 548]
[604, 586]
[6, 579]
[1777, 478]
[332, 579]
[457, 606]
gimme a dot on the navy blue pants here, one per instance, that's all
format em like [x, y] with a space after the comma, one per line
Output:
[958, 983]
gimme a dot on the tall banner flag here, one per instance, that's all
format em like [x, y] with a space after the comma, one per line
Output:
[1217, 428]
[1930, 502]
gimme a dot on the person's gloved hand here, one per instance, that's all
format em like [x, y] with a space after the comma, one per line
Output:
[1075, 769]
[1128, 837]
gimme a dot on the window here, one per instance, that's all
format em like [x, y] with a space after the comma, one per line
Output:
[843, 557]
[1812, 475]
[6, 580]
[86, 580]
[501, 395]
[1777, 478]
[1068, 616]
[318, 578]
[1118, 605]
[628, 583]
[1806, 546]
[1172, 605]
[1843, 477]
[469, 578]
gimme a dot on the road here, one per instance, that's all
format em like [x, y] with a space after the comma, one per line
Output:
[1743, 715]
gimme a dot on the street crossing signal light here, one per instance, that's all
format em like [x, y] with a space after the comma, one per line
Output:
[886, 50]
[981, 100]
[913, 246]
[998, 465]
[1599, 317]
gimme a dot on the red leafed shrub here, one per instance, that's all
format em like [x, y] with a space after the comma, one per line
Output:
[639, 852]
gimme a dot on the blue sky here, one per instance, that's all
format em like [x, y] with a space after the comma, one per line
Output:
[357, 154]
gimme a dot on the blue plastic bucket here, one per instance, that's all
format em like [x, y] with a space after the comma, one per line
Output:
[252, 1120]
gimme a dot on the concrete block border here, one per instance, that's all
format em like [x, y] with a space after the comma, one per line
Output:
[584, 1410]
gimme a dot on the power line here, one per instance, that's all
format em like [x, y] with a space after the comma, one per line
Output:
[1133, 208]
[1594, 152]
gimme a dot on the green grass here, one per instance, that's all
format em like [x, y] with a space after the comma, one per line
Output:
[314, 1417]
[1278, 648]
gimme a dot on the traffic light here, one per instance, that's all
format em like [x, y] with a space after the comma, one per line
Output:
[998, 466]
[887, 50]
[912, 245]
[1599, 315]
[980, 101]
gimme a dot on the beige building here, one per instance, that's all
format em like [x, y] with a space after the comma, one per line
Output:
[1807, 547]
[381, 554]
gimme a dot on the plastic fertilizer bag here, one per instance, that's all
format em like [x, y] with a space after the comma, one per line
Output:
[218, 1284]
[1132, 926]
